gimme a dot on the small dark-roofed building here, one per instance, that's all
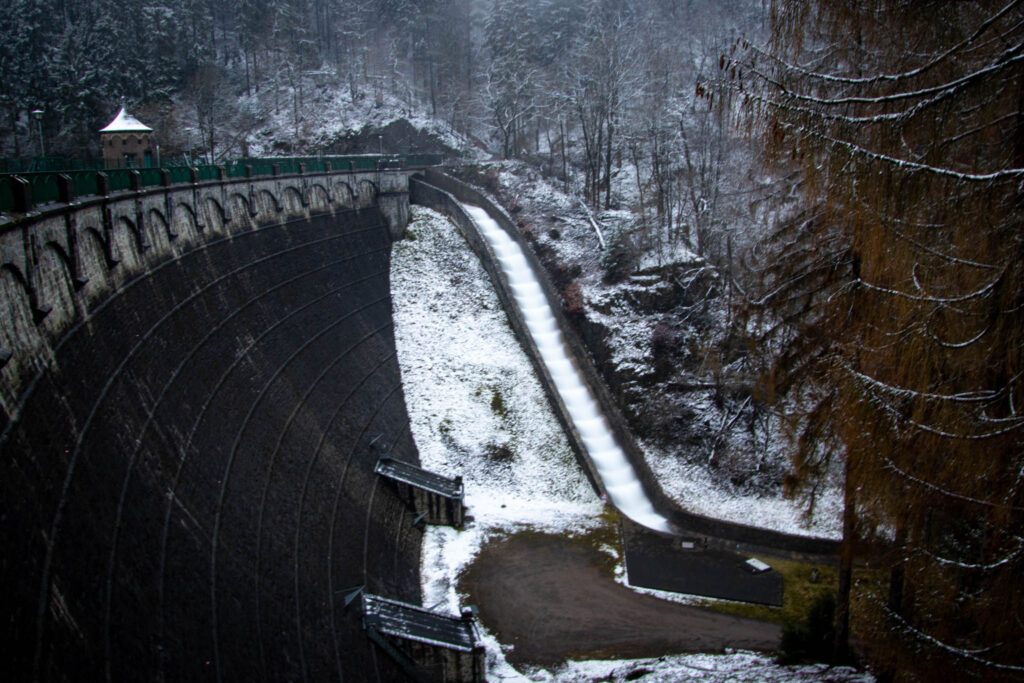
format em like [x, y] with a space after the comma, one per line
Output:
[433, 498]
[127, 142]
[428, 645]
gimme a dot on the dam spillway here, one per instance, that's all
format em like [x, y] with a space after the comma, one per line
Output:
[617, 474]
[187, 482]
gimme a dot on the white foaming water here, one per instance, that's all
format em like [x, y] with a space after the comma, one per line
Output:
[615, 471]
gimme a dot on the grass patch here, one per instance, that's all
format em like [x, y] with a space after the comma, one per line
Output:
[499, 452]
[498, 406]
[498, 403]
[799, 591]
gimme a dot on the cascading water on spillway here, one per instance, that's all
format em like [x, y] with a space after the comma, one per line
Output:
[615, 471]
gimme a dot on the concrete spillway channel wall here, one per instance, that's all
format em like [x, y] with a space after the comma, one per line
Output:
[443, 193]
[191, 379]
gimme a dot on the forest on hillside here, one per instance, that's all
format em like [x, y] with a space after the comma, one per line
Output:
[577, 86]
[853, 173]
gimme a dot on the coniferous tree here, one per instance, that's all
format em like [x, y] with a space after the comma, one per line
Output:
[23, 39]
[897, 306]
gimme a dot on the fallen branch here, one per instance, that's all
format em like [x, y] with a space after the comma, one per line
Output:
[600, 237]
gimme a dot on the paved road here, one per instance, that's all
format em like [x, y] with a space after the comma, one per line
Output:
[551, 599]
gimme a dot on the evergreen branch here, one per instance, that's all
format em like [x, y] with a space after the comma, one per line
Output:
[1009, 173]
[951, 435]
[865, 80]
[1008, 58]
[1002, 562]
[931, 299]
[889, 464]
[984, 396]
[971, 655]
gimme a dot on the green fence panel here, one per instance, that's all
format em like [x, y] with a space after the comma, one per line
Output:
[262, 168]
[180, 174]
[84, 183]
[148, 177]
[421, 160]
[44, 187]
[81, 165]
[15, 165]
[49, 165]
[235, 171]
[6, 193]
[207, 173]
[120, 179]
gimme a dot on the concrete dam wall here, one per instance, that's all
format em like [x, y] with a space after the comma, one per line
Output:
[196, 385]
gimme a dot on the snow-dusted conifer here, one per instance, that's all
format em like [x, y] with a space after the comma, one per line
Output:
[899, 297]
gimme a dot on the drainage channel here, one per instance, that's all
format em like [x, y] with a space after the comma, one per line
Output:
[617, 475]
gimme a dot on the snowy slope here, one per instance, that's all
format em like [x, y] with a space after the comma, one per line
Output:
[457, 353]
[714, 455]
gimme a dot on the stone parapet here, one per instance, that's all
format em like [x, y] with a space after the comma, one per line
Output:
[58, 261]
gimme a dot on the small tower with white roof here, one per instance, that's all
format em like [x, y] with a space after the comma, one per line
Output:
[127, 142]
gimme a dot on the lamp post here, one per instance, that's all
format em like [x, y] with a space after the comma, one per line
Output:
[188, 155]
[380, 146]
[37, 114]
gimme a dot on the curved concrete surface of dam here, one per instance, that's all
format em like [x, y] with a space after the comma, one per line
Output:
[187, 483]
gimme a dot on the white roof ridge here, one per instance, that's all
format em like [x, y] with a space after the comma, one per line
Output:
[124, 123]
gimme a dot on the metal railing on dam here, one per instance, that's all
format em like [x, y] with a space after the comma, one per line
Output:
[21, 192]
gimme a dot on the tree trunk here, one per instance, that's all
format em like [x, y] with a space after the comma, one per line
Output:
[565, 163]
[841, 647]
[608, 166]
[433, 86]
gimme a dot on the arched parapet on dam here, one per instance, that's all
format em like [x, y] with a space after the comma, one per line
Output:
[191, 378]
[64, 258]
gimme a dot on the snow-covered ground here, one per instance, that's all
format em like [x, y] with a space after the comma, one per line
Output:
[331, 112]
[735, 667]
[477, 408]
[478, 411]
[759, 453]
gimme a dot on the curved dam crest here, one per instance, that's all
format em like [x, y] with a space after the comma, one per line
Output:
[188, 487]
